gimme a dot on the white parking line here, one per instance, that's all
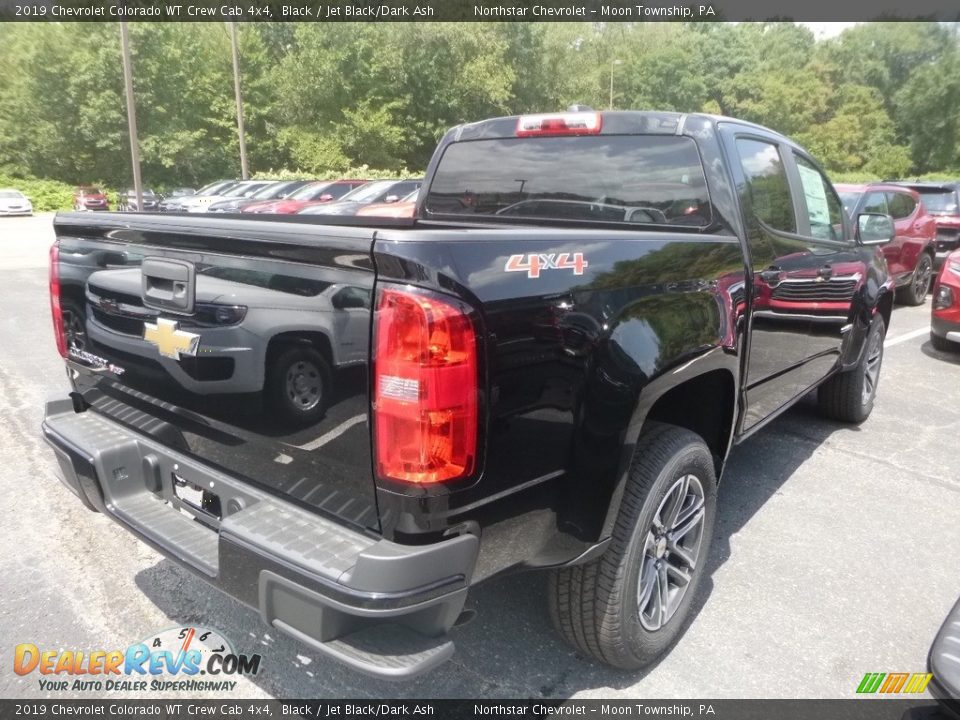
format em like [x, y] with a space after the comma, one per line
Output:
[897, 339]
[333, 434]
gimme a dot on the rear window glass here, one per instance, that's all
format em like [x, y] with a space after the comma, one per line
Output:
[939, 201]
[612, 178]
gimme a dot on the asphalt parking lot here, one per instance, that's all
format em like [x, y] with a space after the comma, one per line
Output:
[836, 550]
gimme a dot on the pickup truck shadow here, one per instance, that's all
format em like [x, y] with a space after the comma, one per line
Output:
[510, 649]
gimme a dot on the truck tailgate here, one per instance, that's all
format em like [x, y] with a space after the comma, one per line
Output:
[244, 345]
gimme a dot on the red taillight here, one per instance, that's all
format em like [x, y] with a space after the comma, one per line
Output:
[59, 333]
[576, 123]
[425, 388]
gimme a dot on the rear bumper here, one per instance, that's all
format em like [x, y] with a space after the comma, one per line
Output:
[378, 606]
[945, 329]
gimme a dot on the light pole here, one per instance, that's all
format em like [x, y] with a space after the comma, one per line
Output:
[131, 113]
[613, 63]
[244, 169]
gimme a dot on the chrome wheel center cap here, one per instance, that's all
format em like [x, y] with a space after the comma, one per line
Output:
[661, 546]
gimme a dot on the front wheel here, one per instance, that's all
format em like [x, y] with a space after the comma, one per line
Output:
[627, 607]
[849, 396]
[298, 383]
[916, 292]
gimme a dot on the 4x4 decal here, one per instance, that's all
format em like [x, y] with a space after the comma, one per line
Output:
[533, 263]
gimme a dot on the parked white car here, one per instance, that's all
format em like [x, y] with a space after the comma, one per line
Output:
[14, 202]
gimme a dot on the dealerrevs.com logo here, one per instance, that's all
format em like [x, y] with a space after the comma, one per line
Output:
[190, 659]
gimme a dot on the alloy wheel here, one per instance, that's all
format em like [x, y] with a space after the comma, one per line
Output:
[871, 374]
[921, 280]
[671, 552]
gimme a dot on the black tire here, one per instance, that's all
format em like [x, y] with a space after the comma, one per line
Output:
[942, 344]
[915, 293]
[849, 396]
[597, 606]
[291, 404]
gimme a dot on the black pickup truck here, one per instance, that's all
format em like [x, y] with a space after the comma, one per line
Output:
[346, 423]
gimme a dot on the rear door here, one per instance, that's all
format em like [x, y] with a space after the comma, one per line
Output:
[802, 285]
[244, 344]
[915, 229]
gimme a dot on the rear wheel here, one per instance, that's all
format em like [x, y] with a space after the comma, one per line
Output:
[74, 325]
[298, 384]
[849, 396]
[942, 344]
[627, 607]
[916, 292]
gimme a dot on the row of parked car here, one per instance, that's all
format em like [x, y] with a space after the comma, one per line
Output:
[346, 196]
[926, 217]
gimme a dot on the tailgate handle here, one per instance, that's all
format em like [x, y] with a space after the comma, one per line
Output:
[168, 284]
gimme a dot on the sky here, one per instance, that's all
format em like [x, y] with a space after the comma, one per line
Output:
[827, 29]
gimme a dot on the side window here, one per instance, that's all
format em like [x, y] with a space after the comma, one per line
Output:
[876, 202]
[767, 181]
[823, 205]
[901, 205]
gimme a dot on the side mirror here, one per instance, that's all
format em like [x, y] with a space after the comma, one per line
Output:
[875, 228]
[391, 198]
[326, 197]
[345, 300]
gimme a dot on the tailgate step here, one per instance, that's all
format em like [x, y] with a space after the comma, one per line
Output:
[391, 652]
[305, 539]
[171, 530]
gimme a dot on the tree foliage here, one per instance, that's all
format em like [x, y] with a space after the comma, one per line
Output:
[881, 99]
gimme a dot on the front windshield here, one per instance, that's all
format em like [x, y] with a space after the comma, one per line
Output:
[213, 187]
[849, 200]
[310, 192]
[939, 202]
[240, 190]
[11, 194]
[272, 191]
[368, 192]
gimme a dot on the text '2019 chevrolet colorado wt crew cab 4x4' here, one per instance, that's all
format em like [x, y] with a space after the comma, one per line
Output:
[347, 422]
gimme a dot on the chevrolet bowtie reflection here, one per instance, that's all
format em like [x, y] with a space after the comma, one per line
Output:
[241, 338]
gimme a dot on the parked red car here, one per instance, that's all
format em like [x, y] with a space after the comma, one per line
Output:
[323, 191]
[945, 323]
[87, 197]
[403, 208]
[942, 201]
[911, 254]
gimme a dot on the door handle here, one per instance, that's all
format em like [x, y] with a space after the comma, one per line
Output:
[825, 273]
